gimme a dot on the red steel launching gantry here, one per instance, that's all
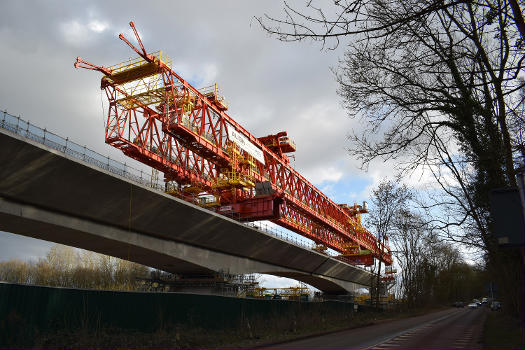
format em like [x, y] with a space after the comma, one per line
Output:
[159, 119]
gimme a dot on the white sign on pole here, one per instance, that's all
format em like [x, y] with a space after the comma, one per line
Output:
[245, 144]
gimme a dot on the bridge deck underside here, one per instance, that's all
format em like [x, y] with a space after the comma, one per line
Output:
[38, 177]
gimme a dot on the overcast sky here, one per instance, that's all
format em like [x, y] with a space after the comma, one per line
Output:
[270, 86]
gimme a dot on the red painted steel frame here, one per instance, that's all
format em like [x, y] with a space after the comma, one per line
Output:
[190, 146]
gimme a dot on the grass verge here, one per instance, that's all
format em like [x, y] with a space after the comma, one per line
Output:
[18, 332]
[249, 335]
[246, 336]
[503, 332]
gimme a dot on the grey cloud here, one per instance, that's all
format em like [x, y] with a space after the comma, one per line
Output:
[271, 86]
[23, 248]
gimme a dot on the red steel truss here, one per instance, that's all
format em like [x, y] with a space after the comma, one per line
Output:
[158, 118]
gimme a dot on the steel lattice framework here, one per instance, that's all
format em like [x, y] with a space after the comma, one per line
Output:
[159, 119]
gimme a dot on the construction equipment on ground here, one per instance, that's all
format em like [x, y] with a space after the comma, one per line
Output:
[364, 299]
[219, 283]
[388, 278]
[295, 293]
[161, 120]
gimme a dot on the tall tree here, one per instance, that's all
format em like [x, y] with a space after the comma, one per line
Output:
[387, 200]
[67, 267]
[408, 238]
[439, 86]
[436, 82]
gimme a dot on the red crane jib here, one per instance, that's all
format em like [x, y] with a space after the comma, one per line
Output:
[166, 123]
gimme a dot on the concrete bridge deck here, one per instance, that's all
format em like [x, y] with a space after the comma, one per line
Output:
[49, 195]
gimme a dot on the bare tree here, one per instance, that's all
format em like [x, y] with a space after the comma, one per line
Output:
[67, 267]
[331, 23]
[408, 240]
[14, 271]
[438, 87]
[387, 200]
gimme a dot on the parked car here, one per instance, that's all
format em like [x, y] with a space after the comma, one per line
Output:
[495, 305]
[459, 304]
[473, 305]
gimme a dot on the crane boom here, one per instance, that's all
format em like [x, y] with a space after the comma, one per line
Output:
[160, 119]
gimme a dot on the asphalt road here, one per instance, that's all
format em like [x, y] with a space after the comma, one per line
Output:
[448, 329]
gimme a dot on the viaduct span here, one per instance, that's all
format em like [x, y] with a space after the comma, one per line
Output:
[48, 192]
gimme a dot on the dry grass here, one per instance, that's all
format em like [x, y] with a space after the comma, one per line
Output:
[503, 332]
[248, 334]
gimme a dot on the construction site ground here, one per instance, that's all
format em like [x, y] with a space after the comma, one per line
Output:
[44, 317]
[255, 335]
[60, 318]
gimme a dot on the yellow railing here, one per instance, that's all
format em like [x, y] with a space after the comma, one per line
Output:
[132, 63]
[234, 179]
[145, 90]
[215, 93]
[141, 95]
